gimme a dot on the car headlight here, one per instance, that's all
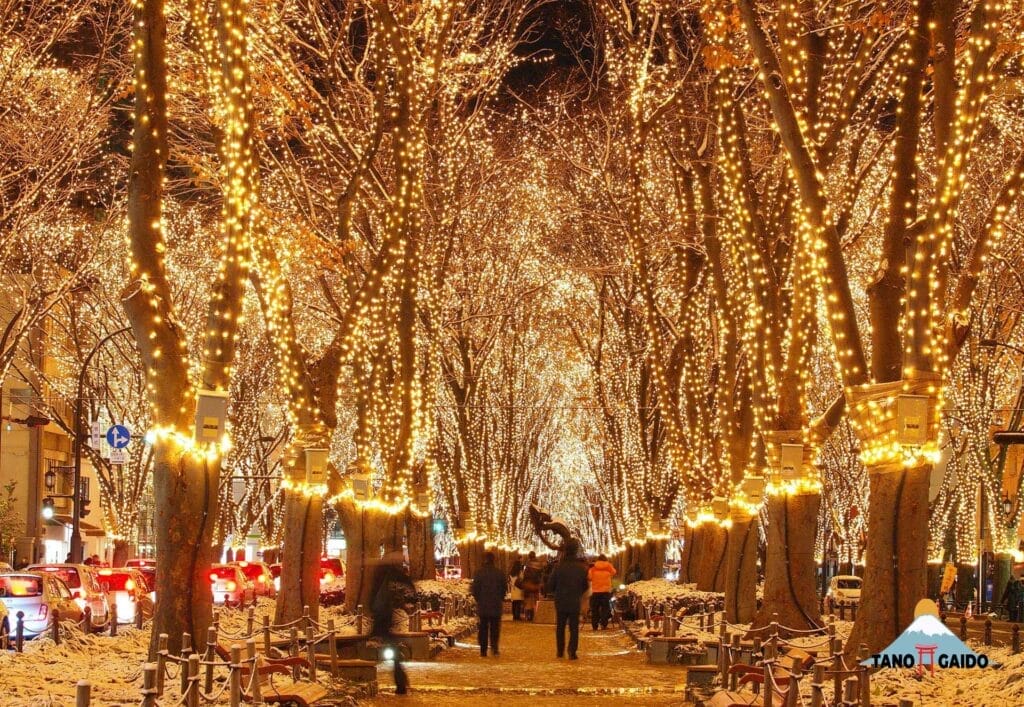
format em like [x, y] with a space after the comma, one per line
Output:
[81, 603]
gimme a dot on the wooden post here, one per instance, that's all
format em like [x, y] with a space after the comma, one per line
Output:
[306, 620]
[359, 619]
[254, 683]
[723, 657]
[235, 677]
[988, 631]
[311, 651]
[963, 628]
[19, 632]
[332, 647]
[850, 693]
[113, 619]
[250, 621]
[266, 635]
[161, 663]
[817, 686]
[210, 656]
[149, 673]
[55, 625]
[755, 652]
[83, 692]
[192, 696]
[1015, 638]
[864, 676]
[906, 703]
[769, 692]
[837, 668]
[87, 620]
[293, 650]
[186, 651]
[734, 654]
[139, 618]
[794, 690]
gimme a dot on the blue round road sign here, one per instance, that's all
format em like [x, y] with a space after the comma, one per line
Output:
[118, 436]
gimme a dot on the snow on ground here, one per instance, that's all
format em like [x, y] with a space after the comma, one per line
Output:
[45, 675]
[441, 589]
[654, 592]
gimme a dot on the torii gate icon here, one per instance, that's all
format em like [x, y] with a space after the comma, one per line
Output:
[923, 651]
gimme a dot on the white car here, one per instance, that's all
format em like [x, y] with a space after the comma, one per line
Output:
[843, 590]
[230, 586]
[126, 587]
[37, 596]
[85, 590]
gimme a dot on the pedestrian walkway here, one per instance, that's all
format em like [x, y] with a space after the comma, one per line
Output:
[610, 671]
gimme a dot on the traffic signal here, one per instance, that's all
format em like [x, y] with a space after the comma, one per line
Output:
[83, 507]
[47, 508]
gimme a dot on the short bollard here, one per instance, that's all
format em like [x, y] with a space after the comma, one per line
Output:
[139, 617]
[56, 627]
[864, 676]
[210, 656]
[1015, 638]
[113, 619]
[266, 635]
[149, 673]
[87, 620]
[19, 632]
[817, 687]
[193, 681]
[963, 628]
[988, 631]
[359, 619]
[235, 677]
[186, 651]
[83, 693]
[161, 663]
[250, 621]
[332, 647]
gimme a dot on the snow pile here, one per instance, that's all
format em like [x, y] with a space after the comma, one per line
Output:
[436, 591]
[675, 597]
[234, 622]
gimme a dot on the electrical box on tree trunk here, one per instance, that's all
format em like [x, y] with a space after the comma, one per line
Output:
[912, 420]
[211, 415]
[792, 459]
[316, 466]
[753, 488]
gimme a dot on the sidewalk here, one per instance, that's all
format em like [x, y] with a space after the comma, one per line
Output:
[609, 672]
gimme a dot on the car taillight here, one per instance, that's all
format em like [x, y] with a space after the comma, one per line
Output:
[262, 579]
[213, 576]
[232, 586]
[129, 585]
[328, 577]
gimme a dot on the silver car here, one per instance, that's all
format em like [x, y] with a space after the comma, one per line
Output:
[230, 586]
[85, 589]
[38, 596]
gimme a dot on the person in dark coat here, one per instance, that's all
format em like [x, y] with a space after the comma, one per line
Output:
[1012, 597]
[489, 591]
[567, 584]
[391, 589]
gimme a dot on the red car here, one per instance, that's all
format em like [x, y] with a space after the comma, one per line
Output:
[260, 575]
[330, 569]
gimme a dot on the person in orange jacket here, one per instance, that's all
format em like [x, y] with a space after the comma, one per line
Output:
[600, 576]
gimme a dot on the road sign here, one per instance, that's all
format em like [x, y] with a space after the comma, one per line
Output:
[118, 436]
[94, 435]
[118, 456]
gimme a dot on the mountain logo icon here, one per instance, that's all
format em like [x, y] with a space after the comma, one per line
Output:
[927, 644]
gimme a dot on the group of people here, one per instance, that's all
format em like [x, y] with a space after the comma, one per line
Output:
[566, 582]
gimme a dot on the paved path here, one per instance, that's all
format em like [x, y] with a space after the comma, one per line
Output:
[610, 671]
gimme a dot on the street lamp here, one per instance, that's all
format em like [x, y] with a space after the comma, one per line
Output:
[50, 479]
[47, 511]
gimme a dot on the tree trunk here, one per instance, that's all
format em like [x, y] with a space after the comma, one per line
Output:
[896, 566]
[686, 557]
[741, 571]
[186, 493]
[122, 550]
[708, 562]
[651, 556]
[420, 534]
[471, 557]
[789, 589]
[300, 567]
[364, 534]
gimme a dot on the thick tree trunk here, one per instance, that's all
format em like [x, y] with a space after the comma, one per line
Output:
[420, 538]
[471, 557]
[364, 534]
[651, 556]
[686, 557]
[708, 562]
[122, 551]
[896, 567]
[186, 492]
[300, 568]
[789, 590]
[741, 571]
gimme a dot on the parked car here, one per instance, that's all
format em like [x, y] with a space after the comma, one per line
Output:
[330, 570]
[139, 562]
[38, 596]
[85, 590]
[260, 575]
[843, 590]
[230, 586]
[127, 588]
[275, 572]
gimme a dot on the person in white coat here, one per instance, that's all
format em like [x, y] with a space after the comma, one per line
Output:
[515, 590]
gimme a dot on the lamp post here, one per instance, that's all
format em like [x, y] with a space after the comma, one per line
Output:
[76, 496]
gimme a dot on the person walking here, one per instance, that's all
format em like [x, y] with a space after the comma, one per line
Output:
[600, 576]
[1012, 596]
[488, 589]
[515, 589]
[531, 584]
[567, 584]
[392, 589]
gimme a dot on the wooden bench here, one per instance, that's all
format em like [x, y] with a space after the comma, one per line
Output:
[659, 648]
[301, 692]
